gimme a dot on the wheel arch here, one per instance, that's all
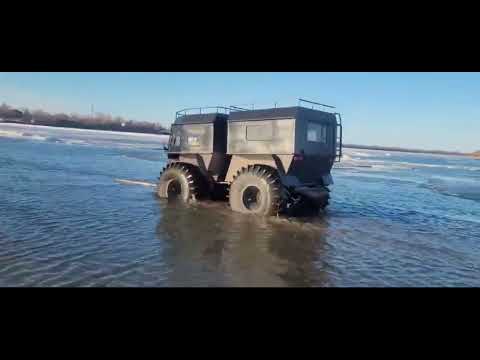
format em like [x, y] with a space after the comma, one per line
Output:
[280, 164]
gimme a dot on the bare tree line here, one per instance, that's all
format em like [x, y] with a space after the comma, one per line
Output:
[98, 121]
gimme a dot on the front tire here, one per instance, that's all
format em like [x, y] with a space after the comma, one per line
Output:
[256, 190]
[181, 182]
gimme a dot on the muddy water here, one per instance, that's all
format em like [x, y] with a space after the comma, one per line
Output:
[78, 209]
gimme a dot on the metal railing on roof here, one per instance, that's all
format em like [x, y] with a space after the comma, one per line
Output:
[202, 110]
[312, 104]
[208, 110]
[233, 108]
[237, 108]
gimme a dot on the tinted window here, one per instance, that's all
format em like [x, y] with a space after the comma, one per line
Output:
[193, 141]
[317, 132]
[177, 140]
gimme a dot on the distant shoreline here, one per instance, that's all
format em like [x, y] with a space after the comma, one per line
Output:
[126, 129]
[111, 132]
[475, 155]
[419, 151]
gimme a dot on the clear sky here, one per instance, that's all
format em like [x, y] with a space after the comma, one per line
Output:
[421, 110]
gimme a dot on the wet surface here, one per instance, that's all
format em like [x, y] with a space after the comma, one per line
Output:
[79, 210]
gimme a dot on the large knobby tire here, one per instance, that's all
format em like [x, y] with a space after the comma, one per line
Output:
[256, 190]
[180, 182]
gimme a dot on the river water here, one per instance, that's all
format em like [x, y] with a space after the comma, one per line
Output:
[77, 208]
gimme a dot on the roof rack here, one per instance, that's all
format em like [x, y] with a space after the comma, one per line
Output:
[236, 108]
[202, 110]
[233, 108]
[208, 110]
[313, 103]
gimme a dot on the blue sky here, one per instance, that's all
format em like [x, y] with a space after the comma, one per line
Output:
[421, 110]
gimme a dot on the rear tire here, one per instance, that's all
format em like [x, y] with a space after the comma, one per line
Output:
[256, 190]
[181, 182]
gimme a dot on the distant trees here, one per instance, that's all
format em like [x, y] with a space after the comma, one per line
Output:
[7, 112]
[99, 121]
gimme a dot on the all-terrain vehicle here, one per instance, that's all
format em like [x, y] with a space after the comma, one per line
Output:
[265, 161]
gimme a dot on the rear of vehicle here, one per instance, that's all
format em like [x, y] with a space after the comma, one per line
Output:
[298, 144]
[317, 146]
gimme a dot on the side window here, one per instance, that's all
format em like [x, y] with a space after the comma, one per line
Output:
[317, 132]
[193, 141]
[177, 140]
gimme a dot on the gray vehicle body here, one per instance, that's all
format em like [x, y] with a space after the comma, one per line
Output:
[301, 144]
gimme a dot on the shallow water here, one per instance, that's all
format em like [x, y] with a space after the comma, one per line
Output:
[77, 209]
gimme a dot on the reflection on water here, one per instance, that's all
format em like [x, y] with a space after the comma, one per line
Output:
[210, 245]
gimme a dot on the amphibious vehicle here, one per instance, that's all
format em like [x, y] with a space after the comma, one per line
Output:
[265, 161]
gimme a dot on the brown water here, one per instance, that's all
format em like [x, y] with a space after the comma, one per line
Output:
[211, 246]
